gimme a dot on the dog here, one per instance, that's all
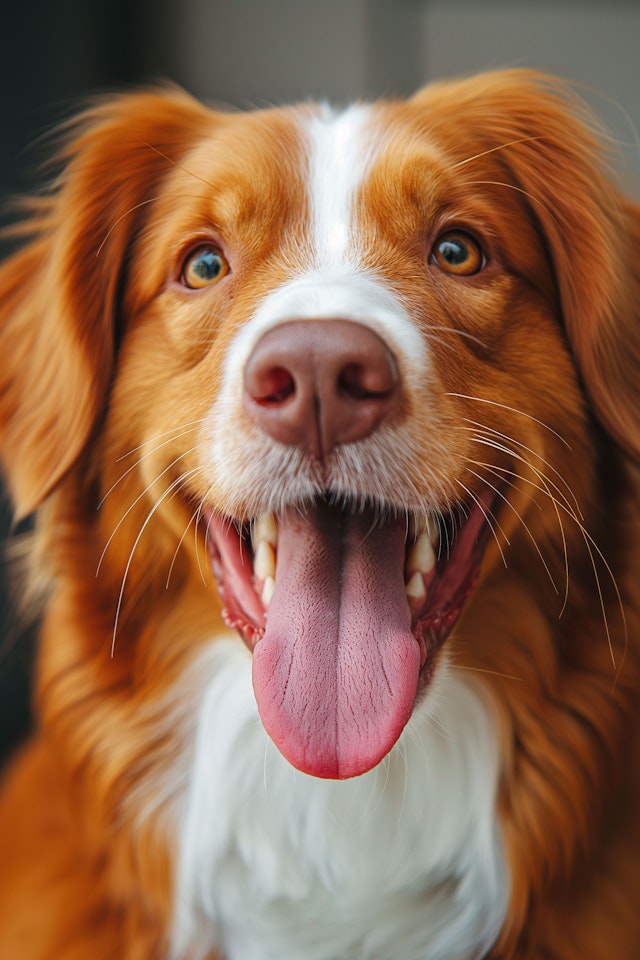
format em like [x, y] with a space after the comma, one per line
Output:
[329, 422]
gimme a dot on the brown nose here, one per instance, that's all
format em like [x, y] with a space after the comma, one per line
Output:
[320, 383]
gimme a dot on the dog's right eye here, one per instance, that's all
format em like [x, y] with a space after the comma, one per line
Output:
[203, 267]
[457, 253]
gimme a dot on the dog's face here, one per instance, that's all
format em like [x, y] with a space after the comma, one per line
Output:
[322, 354]
[332, 308]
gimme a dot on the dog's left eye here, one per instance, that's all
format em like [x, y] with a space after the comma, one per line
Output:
[458, 253]
[203, 267]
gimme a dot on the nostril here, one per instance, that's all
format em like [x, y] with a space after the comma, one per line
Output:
[271, 386]
[367, 382]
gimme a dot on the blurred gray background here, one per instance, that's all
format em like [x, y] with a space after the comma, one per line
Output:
[256, 52]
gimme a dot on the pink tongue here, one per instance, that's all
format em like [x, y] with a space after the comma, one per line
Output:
[335, 675]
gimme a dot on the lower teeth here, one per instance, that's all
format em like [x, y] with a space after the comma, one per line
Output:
[415, 588]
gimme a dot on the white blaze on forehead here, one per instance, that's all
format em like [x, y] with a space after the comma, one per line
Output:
[331, 281]
[341, 149]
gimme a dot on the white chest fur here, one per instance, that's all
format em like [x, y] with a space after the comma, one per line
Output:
[403, 863]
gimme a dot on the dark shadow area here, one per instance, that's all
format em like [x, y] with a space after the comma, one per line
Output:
[16, 653]
[52, 56]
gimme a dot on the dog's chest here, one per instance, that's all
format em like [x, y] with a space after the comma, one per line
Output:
[403, 863]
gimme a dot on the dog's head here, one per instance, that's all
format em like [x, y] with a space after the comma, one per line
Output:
[344, 358]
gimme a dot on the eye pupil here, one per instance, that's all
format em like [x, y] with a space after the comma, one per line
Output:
[453, 251]
[207, 266]
[204, 267]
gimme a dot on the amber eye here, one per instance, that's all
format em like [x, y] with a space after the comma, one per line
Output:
[457, 253]
[204, 267]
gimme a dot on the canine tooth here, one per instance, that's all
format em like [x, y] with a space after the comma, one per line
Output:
[422, 556]
[415, 588]
[434, 535]
[424, 525]
[267, 591]
[264, 563]
[265, 528]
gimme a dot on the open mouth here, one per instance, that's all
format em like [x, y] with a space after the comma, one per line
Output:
[345, 612]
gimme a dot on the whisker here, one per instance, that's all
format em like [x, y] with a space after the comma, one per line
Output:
[547, 485]
[491, 673]
[592, 547]
[443, 532]
[490, 524]
[490, 150]
[590, 542]
[194, 516]
[173, 435]
[158, 436]
[504, 471]
[521, 520]
[174, 163]
[137, 206]
[170, 489]
[133, 504]
[546, 489]
[496, 445]
[504, 406]
[512, 186]
[454, 330]
[127, 213]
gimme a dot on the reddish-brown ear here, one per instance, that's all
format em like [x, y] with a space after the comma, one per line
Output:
[541, 141]
[606, 341]
[59, 294]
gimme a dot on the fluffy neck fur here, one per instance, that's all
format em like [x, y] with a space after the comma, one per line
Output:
[404, 863]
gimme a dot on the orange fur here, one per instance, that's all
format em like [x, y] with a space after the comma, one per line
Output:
[102, 359]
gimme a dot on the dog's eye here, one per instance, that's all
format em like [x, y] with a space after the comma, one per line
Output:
[203, 267]
[457, 253]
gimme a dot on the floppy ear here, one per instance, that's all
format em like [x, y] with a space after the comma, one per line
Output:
[544, 140]
[59, 294]
[608, 344]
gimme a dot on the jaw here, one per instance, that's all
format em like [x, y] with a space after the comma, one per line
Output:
[345, 611]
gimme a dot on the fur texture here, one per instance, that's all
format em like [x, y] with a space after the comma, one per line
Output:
[471, 242]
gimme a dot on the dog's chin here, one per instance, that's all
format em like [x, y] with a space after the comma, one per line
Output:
[345, 611]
